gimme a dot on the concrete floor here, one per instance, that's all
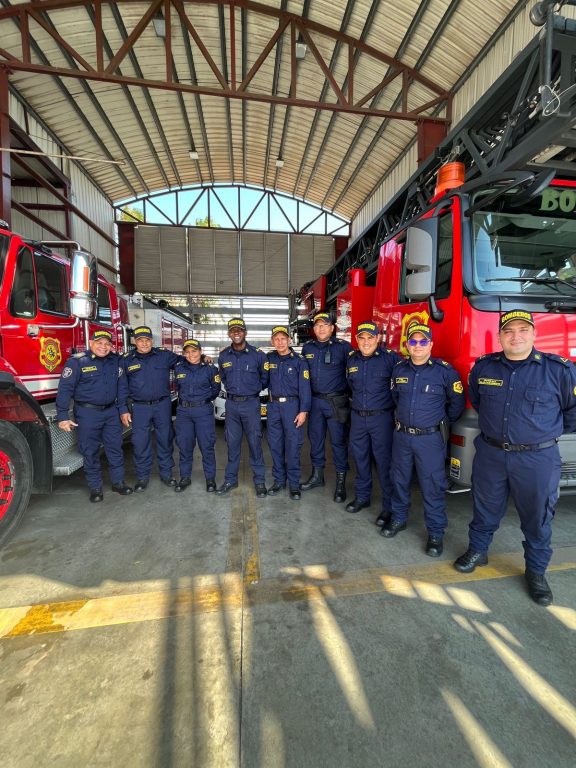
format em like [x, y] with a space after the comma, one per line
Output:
[165, 630]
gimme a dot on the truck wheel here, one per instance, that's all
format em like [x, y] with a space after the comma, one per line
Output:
[15, 478]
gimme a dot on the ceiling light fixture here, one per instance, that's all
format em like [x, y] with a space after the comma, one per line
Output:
[193, 154]
[159, 23]
[279, 162]
[300, 49]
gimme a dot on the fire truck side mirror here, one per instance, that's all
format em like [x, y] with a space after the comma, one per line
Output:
[421, 257]
[83, 285]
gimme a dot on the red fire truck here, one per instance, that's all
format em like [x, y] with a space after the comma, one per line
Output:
[488, 223]
[49, 304]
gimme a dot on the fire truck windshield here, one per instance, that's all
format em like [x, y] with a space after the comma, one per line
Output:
[528, 250]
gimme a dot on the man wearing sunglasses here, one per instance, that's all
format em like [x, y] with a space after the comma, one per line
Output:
[426, 391]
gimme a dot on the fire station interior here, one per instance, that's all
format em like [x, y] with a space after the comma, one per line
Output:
[218, 158]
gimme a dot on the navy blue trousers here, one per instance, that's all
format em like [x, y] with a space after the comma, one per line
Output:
[144, 417]
[196, 425]
[532, 478]
[285, 441]
[97, 428]
[427, 454]
[371, 440]
[321, 420]
[244, 418]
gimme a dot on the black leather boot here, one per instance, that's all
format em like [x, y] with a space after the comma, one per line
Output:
[340, 491]
[315, 480]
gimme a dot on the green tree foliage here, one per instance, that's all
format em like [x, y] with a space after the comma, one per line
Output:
[131, 214]
[206, 222]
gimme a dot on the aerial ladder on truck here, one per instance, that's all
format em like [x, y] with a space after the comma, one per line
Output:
[485, 224]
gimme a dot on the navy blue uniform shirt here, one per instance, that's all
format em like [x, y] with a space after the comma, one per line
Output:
[290, 377]
[425, 394]
[524, 403]
[245, 372]
[369, 379]
[327, 361]
[87, 378]
[146, 377]
[197, 382]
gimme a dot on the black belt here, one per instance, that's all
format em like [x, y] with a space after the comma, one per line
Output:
[371, 413]
[188, 404]
[96, 407]
[329, 395]
[150, 402]
[520, 447]
[283, 398]
[415, 430]
[242, 398]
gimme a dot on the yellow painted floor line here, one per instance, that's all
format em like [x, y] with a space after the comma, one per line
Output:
[251, 543]
[230, 591]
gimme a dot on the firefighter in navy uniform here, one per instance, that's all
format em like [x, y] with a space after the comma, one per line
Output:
[525, 400]
[91, 380]
[244, 372]
[429, 396]
[327, 359]
[369, 373]
[289, 405]
[198, 384]
[146, 382]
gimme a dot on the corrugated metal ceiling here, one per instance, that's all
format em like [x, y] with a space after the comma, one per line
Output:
[334, 159]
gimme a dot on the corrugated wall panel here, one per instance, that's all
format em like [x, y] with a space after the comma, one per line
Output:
[174, 260]
[276, 249]
[226, 259]
[147, 259]
[202, 266]
[252, 249]
[309, 257]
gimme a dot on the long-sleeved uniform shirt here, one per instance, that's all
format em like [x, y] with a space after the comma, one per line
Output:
[196, 382]
[87, 378]
[290, 377]
[146, 377]
[369, 379]
[327, 361]
[245, 372]
[425, 394]
[526, 402]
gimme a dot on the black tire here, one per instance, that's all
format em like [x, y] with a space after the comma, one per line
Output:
[16, 477]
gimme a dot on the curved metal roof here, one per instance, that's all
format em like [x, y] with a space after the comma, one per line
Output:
[225, 79]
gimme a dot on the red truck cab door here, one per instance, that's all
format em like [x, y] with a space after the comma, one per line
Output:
[394, 310]
[36, 325]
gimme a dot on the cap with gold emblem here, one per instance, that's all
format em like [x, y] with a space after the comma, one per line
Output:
[515, 314]
[323, 317]
[367, 327]
[236, 322]
[142, 331]
[98, 333]
[280, 329]
[425, 330]
[191, 344]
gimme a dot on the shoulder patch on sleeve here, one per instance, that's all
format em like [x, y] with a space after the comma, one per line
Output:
[306, 373]
[558, 359]
[266, 366]
[457, 387]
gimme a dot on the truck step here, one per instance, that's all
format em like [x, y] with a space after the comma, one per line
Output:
[68, 463]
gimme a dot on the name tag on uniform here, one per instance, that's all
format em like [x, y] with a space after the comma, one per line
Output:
[401, 380]
[309, 357]
[353, 370]
[180, 375]
[491, 382]
[134, 367]
[226, 365]
[272, 366]
[89, 369]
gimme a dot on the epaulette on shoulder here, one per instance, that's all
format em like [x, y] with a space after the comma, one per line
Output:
[443, 362]
[565, 361]
[352, 352]
[259, 349]
[78, 355]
